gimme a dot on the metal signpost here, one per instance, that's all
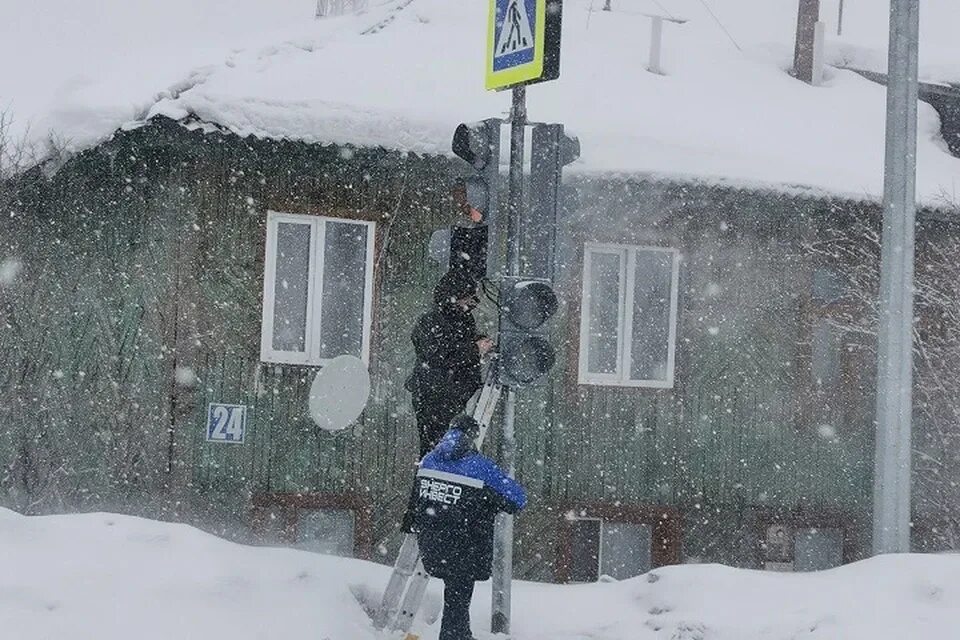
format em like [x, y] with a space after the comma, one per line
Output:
[891, 493]
[523, 47]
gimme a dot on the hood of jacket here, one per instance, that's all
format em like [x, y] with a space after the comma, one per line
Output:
[454, 445]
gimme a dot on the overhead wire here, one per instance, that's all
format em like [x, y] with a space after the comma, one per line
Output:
[720, 24]
[665, 10]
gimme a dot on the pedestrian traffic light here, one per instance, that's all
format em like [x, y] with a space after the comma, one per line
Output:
[525, 352]
[479, 145]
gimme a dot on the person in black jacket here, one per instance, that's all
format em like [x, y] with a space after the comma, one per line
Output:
[448, 351]
[459, 493]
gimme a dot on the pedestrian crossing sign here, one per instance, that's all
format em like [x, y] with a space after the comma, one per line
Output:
[523, 42]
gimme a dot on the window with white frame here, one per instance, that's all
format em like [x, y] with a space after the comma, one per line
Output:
[628, 324]
[317, 289]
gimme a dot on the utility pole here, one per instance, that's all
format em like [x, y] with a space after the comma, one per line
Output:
[894, 404]
[808, 14]
[503, 536]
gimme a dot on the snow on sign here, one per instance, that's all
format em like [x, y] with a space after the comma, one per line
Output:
[523, 42]
[226, 423]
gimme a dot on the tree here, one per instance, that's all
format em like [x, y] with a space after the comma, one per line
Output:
[851, 249]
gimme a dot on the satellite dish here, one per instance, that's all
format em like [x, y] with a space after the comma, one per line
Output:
[339, 393]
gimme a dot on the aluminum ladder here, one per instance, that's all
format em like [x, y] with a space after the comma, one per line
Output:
[408, 582]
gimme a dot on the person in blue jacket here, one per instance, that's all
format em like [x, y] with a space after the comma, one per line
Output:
[459, 493]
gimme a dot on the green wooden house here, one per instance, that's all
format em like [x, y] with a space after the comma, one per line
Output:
[170, 288]
[704, 406]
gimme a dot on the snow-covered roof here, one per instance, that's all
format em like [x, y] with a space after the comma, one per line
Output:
[402, 73]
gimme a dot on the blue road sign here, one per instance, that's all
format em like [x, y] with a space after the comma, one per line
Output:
[515, 42]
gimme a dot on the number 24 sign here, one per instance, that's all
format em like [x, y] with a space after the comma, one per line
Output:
[226, 423]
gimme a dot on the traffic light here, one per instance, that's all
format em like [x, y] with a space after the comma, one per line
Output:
[552, 150]
[479, 145]
[525, 352]
[468, 250]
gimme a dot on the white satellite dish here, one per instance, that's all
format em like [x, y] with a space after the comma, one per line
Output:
[339, 393]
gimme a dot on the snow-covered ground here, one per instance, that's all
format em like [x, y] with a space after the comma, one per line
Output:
[110, 577]
[403, 73]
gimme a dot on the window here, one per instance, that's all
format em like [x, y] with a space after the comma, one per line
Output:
[628, 321]
[828, 285]
[826, 347]
[803, 548]
[620, 550]
[317, 289]
[616, 540]
[817, 549]
[333, 524]
[328, 531]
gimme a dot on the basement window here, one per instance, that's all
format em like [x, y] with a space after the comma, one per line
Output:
[328, 531]
[317, 289]
[628, 324]
[615, 540]
[620, 550]
[803, 548]
[332, 524]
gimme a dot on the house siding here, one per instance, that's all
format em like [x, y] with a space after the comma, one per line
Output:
[144, 257]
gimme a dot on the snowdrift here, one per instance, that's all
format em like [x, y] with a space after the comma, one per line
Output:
[110, 577]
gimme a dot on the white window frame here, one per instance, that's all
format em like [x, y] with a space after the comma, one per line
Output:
[311, 353]
[621, 377]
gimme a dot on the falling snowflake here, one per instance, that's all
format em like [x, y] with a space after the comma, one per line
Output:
[827, 432]
[10, 268]
[185, 376]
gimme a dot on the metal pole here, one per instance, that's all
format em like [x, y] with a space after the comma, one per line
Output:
[656, 40]
[807, 16]
[891, 491]
[840, 20]
[503, 537]
[518, 124]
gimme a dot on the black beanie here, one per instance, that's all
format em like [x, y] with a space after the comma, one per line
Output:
[466, 424]
[454, 285]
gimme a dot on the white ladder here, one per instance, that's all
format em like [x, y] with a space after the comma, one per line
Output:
[408, 582]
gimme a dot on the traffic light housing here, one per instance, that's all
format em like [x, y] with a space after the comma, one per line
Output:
[479, 145]
[552, 150]
[526, 355]
[468, 250]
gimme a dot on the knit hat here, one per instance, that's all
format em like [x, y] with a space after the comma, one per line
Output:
[454, 285]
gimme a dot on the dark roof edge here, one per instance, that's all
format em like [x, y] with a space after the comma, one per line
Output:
[926, 88]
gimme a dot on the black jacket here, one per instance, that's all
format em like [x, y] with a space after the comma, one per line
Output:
[459, 494]
[447, 359]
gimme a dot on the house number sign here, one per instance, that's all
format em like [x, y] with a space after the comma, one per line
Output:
[226, 423]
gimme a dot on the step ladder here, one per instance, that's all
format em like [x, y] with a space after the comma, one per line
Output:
[408, 582]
